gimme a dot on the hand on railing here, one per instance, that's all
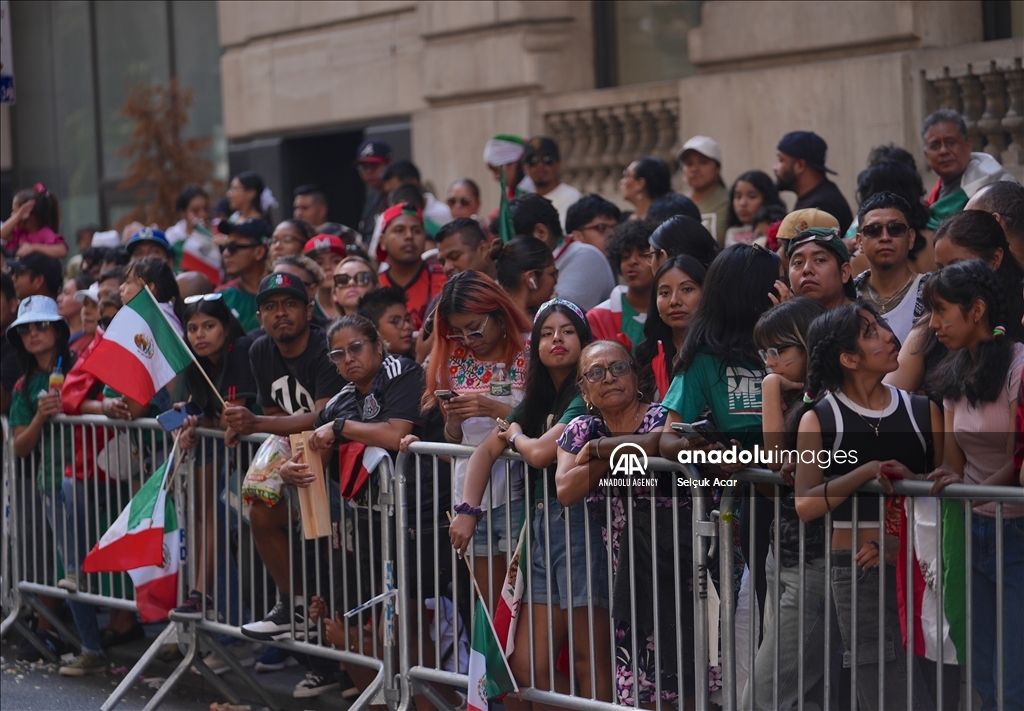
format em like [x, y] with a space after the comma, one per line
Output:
[323, 437]
[116, 408]
[403, 444]
[187, 438]
[334, 629]
[297, 473]
[240, 419]
[942, 478]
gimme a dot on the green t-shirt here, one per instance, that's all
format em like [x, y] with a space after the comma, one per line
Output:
[731, 392]
[575, 408]
[631, 326]
[54, 443]
[243, 303]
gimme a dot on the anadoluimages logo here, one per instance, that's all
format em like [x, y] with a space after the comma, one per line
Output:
[628, 467]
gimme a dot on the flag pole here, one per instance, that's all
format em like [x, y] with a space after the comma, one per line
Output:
[188, 350]
[487, 614]
[177, 460]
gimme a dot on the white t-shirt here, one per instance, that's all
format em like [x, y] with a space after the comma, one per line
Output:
[562, 197]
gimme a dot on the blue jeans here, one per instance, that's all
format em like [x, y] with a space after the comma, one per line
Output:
[983, 580]
[503, 537]
[82, 503]
[784, 626]
[549, 578]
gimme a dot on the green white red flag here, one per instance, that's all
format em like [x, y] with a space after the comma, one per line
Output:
[489, 673]
[141, 351]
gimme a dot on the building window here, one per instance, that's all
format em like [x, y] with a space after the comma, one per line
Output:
[640, 41]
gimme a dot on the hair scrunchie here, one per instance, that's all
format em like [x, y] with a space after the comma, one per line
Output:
[40, 188]
[998, 332]
[267, 200]
[807, 398]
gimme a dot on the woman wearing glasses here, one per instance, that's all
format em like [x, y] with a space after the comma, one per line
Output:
[464, 198]
[617, 414]
[222, 351]
[353, 278]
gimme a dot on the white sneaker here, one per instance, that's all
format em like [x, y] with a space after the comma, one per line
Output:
[219, 666]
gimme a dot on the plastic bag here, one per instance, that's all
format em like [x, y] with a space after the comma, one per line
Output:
[263, 481]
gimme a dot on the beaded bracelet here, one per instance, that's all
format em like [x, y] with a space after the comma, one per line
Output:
[465, 508]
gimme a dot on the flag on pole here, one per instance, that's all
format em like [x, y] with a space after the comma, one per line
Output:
[506, 614]
[145, 542]
[141, 350]
[489, 673]
[923, 588]
[200, 254]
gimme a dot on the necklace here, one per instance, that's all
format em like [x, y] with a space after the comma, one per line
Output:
[872, 426]
[636, 416]
[882, 302]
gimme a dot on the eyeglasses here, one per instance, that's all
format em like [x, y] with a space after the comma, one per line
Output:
[771, 355]
[203, 297]
[234, 247]
[473, 336]
[354, 349]
[600, 228]
[895, 230]
[277, 241]
[756, 248]
[596, 375]
[41, 326]
[535, 159]
[463, 201]
[399, 321]
[358, 279]
[951, 143]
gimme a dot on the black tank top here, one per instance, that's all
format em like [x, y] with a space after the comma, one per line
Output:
[847, 427]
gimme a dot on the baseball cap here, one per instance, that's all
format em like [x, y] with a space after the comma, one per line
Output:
[324, 241]
[707, 147]
[148, 234]
[373, 152]
[402, 208]
[256, 228]
[541, 145]
[800, 220]
[827, 238]
[110, 239]
[280, 283]
[45, 266]
[808, 146]
[92, 293]
[34, 309]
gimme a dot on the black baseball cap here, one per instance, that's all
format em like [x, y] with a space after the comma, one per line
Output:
[808, 146]
[256, 229]
[373, 152]
[45, 266]
[541, 145]
[280, 283]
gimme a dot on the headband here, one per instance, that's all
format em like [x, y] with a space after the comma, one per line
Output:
[568, 304]
[402, 208]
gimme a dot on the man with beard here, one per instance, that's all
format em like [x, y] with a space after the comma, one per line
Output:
[543, 165]
[800, 168]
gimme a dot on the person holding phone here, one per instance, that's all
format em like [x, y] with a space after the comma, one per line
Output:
[221, 348]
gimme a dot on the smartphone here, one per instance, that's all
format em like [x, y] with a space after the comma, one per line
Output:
[685, 430]
[711, 433]
[502, 425]
[173, 419]
[445, 395]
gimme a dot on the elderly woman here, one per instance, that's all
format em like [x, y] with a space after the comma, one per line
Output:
[610, 386]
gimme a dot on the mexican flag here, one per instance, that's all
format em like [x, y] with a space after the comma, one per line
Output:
[145, 542]
[200, 254]
[141, 351]
[506, 614]
[489, 674]
[981, 170]
[928, 618]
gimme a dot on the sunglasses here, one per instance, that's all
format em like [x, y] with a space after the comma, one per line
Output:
[895, 230]
[196, 298]
[235, 247]
[472, 336]
[596, 375]
[463, 201]
[41, 326]
[354, 349]
[758, 249]
[358, 279]
[771, 355]
[535, 159]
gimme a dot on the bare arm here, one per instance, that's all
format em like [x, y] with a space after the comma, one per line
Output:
[540, 452]
[57, 251]
[910, 374]
[375, 434]
[574, 481]
[478, 470]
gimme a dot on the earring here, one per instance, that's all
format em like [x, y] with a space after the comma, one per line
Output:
[639, 395]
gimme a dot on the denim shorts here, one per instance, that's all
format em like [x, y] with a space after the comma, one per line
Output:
[549, 581]
[503, 536]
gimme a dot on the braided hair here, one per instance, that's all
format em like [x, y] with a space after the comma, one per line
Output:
[978, 376]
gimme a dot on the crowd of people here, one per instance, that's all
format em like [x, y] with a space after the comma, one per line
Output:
[559, 327]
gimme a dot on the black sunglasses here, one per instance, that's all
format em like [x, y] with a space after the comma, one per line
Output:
[234, 247]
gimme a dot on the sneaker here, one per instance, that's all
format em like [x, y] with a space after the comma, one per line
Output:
[69, 582]
[349, 690]
[219, 666]
[192, 608]
[277, 625]
[85, 663]
[26, 652]
[314, 685]
[275, 659]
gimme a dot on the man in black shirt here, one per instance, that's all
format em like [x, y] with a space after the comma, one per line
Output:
[294, 381]
[800, 168]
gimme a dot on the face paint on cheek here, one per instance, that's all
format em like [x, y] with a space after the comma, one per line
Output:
[947, 324]
[877, 351]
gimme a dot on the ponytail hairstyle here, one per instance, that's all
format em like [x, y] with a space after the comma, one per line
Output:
[46, 211]
[540, 398]
[252, 181]
[981, 376]
[156, 271]
[982, 235]
[471, 292]
[517, 257]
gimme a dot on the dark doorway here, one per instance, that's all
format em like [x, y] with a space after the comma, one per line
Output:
[326, 160]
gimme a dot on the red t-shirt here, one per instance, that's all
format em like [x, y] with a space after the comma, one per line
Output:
[423, 288]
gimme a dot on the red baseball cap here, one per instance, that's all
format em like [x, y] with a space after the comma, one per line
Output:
[324, 241]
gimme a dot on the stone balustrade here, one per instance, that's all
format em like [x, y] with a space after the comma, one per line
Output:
[990, 96]
[601, 132]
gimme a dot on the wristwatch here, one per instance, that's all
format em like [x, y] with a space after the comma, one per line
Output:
[512, 441]
[338, 426]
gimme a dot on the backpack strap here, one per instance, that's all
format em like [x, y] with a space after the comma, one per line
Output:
[827, 420]
[920, 410]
